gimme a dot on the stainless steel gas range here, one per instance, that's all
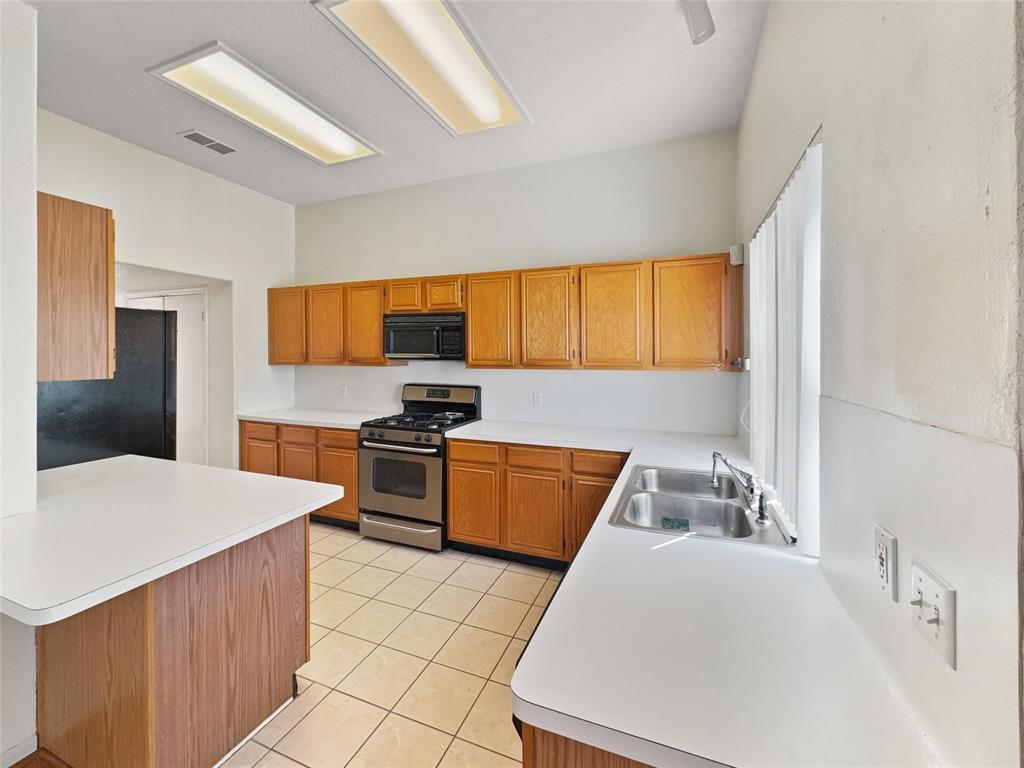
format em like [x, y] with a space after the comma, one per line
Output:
[402, 479]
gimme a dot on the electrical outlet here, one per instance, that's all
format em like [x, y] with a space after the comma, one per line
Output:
[933, 610]
[538, 399]
[344, 390]
[885, 561]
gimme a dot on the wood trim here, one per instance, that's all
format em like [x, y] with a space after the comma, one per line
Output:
[544, 749]
[111, 299]
[41, 758]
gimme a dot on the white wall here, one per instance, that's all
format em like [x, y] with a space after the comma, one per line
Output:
[17, 348]
[657, 200]
[919, 248]
[171, 216]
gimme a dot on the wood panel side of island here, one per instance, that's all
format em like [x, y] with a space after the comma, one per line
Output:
[177, 672]
[544, 749]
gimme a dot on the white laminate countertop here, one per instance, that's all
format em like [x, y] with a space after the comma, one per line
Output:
[314, 417]
[678, 651]
[105, 527]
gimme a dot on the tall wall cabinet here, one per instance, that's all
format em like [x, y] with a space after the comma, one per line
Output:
[76, 290]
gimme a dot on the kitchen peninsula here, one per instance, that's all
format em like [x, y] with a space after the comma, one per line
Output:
[170, 601]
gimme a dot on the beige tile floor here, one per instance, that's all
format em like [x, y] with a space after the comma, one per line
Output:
[411, 660]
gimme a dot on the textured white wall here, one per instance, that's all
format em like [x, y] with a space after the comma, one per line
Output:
[17, 348]
[916, 104]
[171, 216]
[656, 200]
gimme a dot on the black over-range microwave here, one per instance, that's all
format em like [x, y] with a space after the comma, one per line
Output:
[425, 337]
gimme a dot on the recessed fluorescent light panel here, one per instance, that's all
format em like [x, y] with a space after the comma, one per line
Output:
[224, 79]
[426, 49]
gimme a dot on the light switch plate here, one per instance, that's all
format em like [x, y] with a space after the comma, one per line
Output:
[885, 562]
[933, 609]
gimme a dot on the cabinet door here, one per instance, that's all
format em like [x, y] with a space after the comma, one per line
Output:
[339, 466]
[364, 323]
[491, 320]
[286, 312]
[548, 305]
[587, 496]
[474, 503]
[443, 293]
[260, 456]
[690, 313]
[535, 512]
[298, 461]
[615, 315]
[324, 305]
[405, 295]
[75, 311]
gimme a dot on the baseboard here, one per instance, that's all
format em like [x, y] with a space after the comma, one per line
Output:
[18, 751]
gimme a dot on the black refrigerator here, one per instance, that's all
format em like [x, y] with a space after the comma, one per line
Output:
[132, 413]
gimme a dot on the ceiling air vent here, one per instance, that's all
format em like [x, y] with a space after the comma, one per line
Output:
[203, 140]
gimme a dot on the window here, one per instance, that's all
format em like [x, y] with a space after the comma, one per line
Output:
[785, 348]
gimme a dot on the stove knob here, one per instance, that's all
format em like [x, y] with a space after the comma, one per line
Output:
[429, 438]
[418, 437]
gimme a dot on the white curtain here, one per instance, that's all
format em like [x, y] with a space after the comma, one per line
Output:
[784, 263]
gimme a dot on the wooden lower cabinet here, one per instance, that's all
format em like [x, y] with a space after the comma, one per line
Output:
[259, 456]
[298, 461]
[535, 512]
[586, 497]
[340, 466]
[178, 671]
[305, 453]
[474, 503]
[526, 499]
[544, 749]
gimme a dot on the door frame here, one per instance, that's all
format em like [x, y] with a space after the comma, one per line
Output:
[161, 293]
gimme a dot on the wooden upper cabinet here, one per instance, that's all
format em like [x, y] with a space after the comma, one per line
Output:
[405, 295]
[364, 323]
[474, 503]
[443, 294]
[491, 327]
[324, 324]
[615, 315]
[549, 334]
[690, 312]
[75, 290]
[286, 313]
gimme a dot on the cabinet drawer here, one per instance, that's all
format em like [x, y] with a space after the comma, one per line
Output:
[304, 435]
[481, 453]
[534, 458]
[602, 463]
[258, 431]
[339, 438]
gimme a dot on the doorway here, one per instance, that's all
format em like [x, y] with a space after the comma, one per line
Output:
[192, 373]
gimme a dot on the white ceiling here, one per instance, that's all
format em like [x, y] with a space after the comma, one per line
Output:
[593, 76]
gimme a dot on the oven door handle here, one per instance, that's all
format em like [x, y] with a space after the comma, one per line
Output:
[406, 449]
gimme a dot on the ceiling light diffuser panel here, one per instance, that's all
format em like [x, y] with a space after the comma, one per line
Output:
[224, 79]
[425, 48]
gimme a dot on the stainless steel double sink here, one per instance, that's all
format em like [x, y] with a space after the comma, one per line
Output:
[683, 503]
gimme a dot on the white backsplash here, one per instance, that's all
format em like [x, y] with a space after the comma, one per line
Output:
[692, 401]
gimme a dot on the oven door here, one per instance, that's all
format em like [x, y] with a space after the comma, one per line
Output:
[401, 480]
[412, 340]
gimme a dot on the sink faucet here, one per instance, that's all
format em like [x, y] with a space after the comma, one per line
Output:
[751, 484]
